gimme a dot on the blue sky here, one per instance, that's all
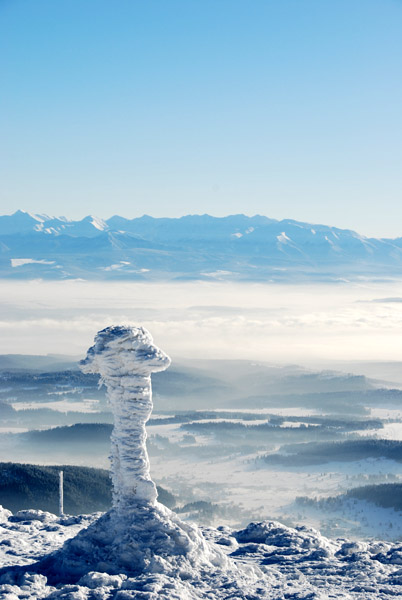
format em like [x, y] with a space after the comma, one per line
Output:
[288, 108]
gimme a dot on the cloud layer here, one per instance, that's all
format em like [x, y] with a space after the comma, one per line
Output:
[280, 323]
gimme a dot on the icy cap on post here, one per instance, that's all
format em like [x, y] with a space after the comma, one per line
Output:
[125, 357]
[120, 351]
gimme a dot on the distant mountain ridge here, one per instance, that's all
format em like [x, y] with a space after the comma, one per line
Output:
[236, 247]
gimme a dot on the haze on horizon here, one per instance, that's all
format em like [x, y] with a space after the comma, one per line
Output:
[304, 324]
[285, 109]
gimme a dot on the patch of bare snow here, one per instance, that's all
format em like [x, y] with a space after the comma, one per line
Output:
[283, 238]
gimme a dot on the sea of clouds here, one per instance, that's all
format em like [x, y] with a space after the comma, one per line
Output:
[270, 322]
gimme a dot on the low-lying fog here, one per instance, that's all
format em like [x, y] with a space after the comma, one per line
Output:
[306, 324]
[281, 401]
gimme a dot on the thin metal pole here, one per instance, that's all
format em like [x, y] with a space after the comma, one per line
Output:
[61, 494]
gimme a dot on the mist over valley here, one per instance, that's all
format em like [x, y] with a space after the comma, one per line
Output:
[224, 435]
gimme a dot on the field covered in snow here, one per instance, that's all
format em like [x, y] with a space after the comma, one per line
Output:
[262, 560]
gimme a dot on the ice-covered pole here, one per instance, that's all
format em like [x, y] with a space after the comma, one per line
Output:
[61, 494]
[125, 357]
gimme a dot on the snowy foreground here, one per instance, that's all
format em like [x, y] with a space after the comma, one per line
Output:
[154, 555]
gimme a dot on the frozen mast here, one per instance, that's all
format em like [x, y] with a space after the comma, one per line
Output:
[138, 535]
[125, 357]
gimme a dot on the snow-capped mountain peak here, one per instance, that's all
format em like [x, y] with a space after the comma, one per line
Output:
[99, 224]
[236, 246]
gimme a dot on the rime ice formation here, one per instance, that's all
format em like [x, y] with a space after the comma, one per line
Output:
[138, 535]
[125, 357]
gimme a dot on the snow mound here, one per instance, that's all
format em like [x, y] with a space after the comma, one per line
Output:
[149, 539]
[272, 533]
[33, 515]
[4, 514]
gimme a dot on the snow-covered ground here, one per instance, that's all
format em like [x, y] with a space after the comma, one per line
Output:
[295, 411]
[390, 431]
[350, 517]
[264, 560]
[84, 405]
[267, 492]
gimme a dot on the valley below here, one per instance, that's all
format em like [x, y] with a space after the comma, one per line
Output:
[312, 447]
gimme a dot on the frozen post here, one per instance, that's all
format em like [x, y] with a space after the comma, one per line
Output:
[61, 494]
[138, 536]
[125, 357]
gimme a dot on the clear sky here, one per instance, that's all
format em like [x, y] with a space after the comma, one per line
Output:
[287, 108]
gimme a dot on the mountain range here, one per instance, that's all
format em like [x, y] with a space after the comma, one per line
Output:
[235, 248]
